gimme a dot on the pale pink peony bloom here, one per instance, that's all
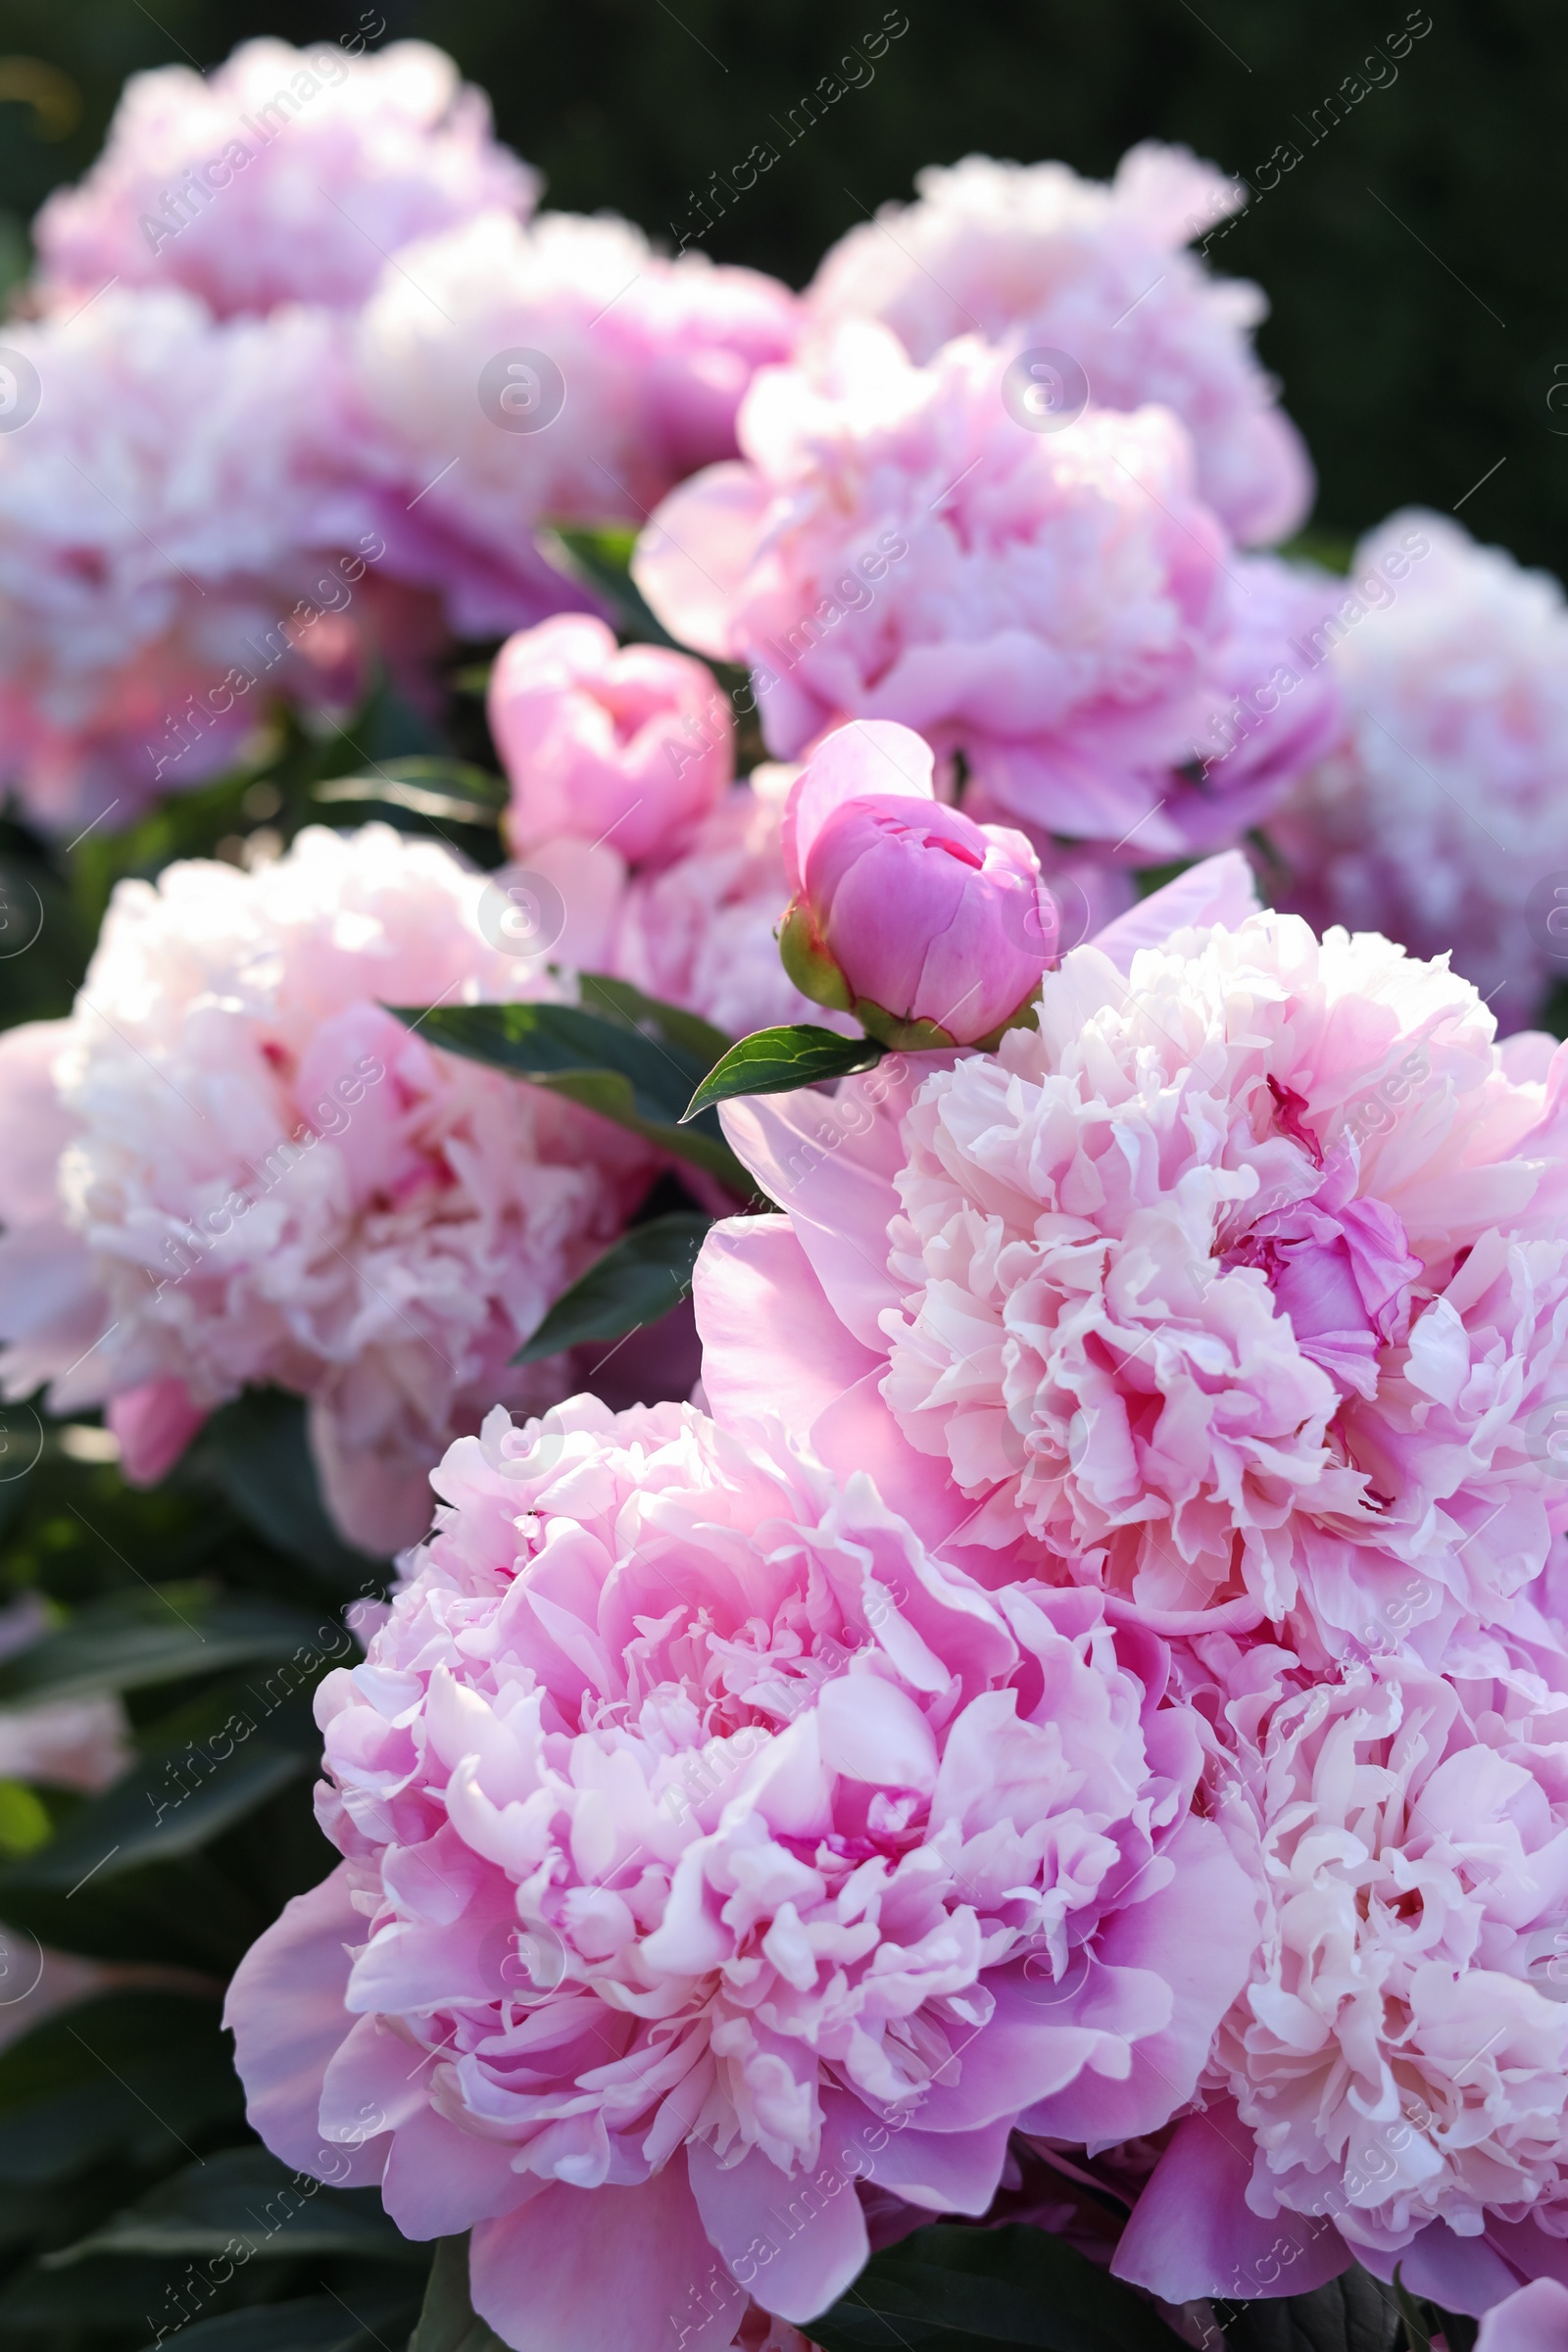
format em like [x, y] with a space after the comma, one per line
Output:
[633, 745]
[1534, 2319]
[1237, 1287]
[66, 1743]
[1446, 800]
[626, 370]
[176, 546]
[285, 175]
[1058, 608]
[245, 1170]
[1395, 2074]
[701, 932]
[929, 929]
[714, 1850]
[1037, 258]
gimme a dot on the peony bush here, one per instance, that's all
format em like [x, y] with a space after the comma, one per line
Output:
[783, 1285]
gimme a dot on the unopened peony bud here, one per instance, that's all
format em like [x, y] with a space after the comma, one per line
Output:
[628, 747]
[931, 929]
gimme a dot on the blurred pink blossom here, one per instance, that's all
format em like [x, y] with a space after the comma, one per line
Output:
[177, 545]
[1037, 258]
[1445, 802]
[632, 746]
[284, 175]
[242, 1169]
[509, 376]
[696, 1817]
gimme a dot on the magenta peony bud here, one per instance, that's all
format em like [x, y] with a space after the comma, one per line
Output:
[931, 929]
[630, 746]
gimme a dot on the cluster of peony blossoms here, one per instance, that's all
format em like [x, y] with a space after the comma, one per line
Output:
[1082, 1682]
[1091, 1670]
[304, 470]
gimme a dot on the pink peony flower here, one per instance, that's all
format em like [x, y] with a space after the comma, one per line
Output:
[1238, 1287]
[285, 175]
[630, 746]
[1058, 608]
[508, 376]
[929, 929]
[66, 1743]
[244, 1170]
[1395, 2074]
[1038, 258]
[176, 545]
[1443, 803]
[701, 931]
[1534, 2319]
[711, 1849]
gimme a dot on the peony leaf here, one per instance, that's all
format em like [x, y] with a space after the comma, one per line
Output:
[153, 1635]
[776, 1061]
[640, 1075]
[647, 1273]
[307, 2324]
[426, 785]
[951, 2289]
[256, 1451]
[448, 2322]
[245, 2198]
[127, 2075]
[1353, 2313]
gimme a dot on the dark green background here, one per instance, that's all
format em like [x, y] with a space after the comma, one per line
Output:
[1408, 383]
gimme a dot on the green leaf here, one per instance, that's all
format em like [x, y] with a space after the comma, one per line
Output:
[951, 2289]
[257, 1451]
[162, 1808]
[153, 1635]
[448, 2324]
[600, 559]
[774, 1061]
[1353, 2313]
[25, 1823]
[134, 2075]
[246, 2199]
[453, 790]
[307, 2324]
[650, 1016]
[597, 1059]
[647, 1273]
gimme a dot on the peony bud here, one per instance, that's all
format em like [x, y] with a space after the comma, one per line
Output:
[628, 747]
[931, 929]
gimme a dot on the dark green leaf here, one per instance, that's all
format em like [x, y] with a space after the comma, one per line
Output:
[950, 2290]
[257, 1451]
[309, 2323]
[138, 2075]
[166, 1807]
[1353, 2313]
[600, 559]
[246, 2199]
[604, 1063]
[153, 1633]
[648, 1272]
[774, 1061]
[448, 2324]
[618, 1000]
[426, 785]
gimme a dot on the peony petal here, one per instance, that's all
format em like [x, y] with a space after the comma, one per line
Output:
[575, 2269]
[805, 2236]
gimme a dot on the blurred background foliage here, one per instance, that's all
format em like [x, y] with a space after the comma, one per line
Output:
[1412, 258]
